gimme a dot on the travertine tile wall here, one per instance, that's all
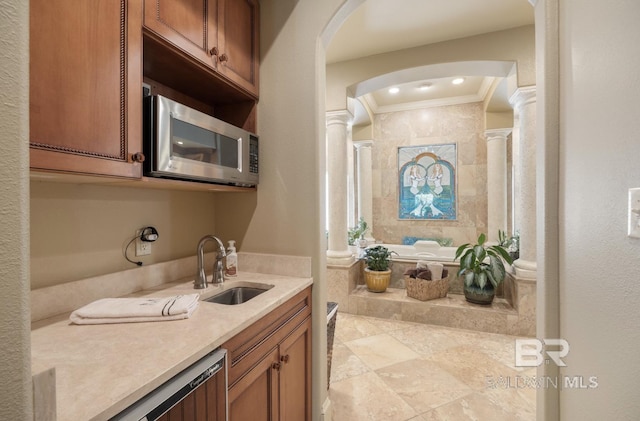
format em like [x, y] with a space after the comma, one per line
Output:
[460, 124]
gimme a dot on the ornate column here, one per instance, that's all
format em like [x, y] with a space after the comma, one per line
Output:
[524, 106]
[497, 181]
[337, 138]
[365, 189]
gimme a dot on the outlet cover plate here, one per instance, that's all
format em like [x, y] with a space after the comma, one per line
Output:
[143, 248]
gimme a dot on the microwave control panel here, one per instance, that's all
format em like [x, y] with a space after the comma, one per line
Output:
[253, 154]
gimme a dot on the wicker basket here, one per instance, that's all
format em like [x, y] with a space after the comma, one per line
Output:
[424, 290]
[332, 315]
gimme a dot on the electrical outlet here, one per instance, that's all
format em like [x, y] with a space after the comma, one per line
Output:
[143, 248]
[633, 229]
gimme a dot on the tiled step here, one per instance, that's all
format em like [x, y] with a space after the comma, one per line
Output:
[451, 311]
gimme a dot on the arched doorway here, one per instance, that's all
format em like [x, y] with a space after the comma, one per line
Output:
[547, 317]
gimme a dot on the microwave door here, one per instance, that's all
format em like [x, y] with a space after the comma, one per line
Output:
[191, 142]
[229, 152]
[202, 153]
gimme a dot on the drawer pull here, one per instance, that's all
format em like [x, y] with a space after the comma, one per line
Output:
[285, 358]
[275, 366]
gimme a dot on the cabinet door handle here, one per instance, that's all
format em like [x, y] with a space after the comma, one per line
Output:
[213, 51]
[138, 157]
[223, 58]
[275, 366]
[285, 358]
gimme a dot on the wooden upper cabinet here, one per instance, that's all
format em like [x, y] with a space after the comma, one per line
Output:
[85, 86]
[221, 34]
[238, 37]
[190, 25]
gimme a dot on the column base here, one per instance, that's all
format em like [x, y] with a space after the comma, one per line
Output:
[339, 258]
[341, 281]
[525, 269]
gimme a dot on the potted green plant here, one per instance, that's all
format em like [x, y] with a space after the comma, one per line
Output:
[510, 243]
[355, 233]
[377, 273]
[482, 269]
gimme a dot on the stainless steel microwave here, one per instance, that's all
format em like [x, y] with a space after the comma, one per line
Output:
[183, 143]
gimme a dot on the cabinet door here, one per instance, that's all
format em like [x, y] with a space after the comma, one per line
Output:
[295, 374]
[255, 396]
[85, 86]
[190, 25]
[206, 403]
[238, 35]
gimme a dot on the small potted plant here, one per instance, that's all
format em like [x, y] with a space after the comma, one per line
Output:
[377, 274]
[510, 243]
[482, 269]
[357, 232]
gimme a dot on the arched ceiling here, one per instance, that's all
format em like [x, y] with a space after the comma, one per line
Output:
[382, 26]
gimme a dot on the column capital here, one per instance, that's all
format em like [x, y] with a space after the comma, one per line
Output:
[522, 96]
[492, 134]
[342, 117]
[362, 143]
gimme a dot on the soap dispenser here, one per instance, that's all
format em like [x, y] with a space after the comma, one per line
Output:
[231, 268]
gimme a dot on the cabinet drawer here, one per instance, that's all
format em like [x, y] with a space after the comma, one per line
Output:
[246, 349]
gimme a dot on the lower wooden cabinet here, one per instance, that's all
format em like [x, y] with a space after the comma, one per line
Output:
[270, 365]
[295, 374]
[252, 398]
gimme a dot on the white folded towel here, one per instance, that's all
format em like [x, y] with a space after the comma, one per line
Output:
[125, 310]
[436, 270]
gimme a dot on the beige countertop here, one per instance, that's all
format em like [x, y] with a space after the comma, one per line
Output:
[102, 369]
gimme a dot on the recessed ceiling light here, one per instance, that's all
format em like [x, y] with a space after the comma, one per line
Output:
[394, 90]
[457, 81]
[425, 86]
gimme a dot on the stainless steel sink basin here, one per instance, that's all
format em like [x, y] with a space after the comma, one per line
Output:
[238, 295]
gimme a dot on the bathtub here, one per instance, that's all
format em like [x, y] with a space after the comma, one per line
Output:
[421, 250]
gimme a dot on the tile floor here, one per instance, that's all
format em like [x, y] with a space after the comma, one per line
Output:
[388, 370]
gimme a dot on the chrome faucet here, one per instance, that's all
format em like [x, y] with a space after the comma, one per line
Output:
[218, 272]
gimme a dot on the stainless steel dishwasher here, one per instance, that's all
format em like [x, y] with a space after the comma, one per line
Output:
[185, 396]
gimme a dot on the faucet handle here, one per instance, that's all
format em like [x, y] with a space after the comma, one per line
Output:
[218, 271]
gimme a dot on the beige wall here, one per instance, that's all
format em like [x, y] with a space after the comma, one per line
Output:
[599, 266]
[80, 230]
[15, 370]
[460, 124]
